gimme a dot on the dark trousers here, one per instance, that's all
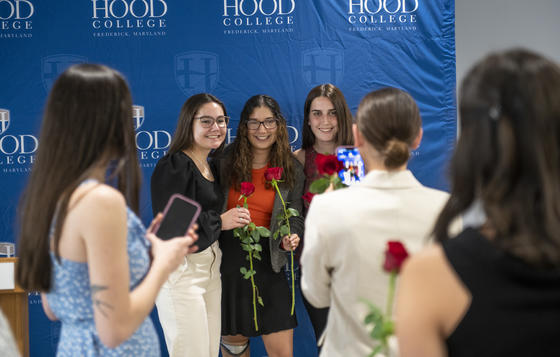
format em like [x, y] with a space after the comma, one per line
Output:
[318, 318]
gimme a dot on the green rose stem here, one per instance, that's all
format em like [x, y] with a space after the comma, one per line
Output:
[252, 278]
[275, 184]
[391, 293]
[254, 295]
[254, 287]
[383, 324]
[388, 323]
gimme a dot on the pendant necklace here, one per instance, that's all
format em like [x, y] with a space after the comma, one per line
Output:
[204, 169]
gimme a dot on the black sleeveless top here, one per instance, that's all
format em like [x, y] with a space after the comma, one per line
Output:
[515, 308]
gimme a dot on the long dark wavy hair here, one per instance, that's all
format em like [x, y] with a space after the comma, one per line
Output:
[87, 124]
[343, 115]
[508, 154]
[240, 155]
[183, 138]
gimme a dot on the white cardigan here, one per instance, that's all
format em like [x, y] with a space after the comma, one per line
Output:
[346, 232]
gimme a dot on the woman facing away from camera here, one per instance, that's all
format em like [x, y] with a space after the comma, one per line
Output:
[347, 230]
[494, 290]
[261, 142]
[79, 240]
[189, 303]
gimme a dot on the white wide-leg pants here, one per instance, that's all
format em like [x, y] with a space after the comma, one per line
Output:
[189, 306]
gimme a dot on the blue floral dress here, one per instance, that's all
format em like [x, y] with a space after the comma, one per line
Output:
[70, 300]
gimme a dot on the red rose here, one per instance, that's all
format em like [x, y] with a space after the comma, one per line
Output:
[273, 173]
[395, 255]
[247, 189]
[328, 164]
[308, 197]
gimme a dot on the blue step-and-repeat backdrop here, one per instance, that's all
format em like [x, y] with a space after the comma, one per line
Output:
[171, 49]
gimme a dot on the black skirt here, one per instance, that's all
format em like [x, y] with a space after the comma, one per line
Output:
[237, 296]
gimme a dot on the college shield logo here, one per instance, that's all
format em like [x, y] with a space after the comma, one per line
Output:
[4, 120]
[196, 71]
[138, 116]
[322, 66]
[53, 66]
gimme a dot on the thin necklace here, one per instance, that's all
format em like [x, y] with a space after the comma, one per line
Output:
[204, 169]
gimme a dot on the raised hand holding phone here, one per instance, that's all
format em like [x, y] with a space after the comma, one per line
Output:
[172, 233]
[179, 214]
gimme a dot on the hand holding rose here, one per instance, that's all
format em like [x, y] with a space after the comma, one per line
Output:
[291, 242]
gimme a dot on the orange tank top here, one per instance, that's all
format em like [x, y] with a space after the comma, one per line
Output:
[260, 202]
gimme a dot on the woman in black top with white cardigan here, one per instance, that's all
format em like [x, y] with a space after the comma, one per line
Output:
[189, 303]
[494, 290]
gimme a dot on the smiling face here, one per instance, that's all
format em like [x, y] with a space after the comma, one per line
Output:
[323, 120]
[212, 137]
[262, 138]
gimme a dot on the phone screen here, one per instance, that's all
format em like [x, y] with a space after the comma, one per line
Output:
[179, 214]
[354, 169]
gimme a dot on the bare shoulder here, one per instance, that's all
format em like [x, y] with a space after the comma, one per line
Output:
[98, 195]
[431, 255]
[426, 264]
[97, 203]
[300, 156]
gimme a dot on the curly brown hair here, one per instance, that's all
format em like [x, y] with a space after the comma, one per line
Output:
[240, 154]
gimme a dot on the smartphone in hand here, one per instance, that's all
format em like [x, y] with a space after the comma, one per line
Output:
[179, 215]
[354, 169]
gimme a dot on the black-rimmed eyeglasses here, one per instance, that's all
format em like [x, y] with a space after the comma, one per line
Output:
[269, 123]
[207, 121]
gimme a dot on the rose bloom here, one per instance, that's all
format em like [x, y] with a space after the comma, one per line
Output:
[307, 197]
[328, 164]
[395, 255]
[273, 173]
[247, 189]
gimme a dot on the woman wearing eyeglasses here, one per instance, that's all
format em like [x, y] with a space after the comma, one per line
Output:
[189, 302]
[261, 142]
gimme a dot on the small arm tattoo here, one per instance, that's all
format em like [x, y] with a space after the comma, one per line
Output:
[97, 303]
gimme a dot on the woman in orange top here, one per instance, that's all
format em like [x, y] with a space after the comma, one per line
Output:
[261, 142]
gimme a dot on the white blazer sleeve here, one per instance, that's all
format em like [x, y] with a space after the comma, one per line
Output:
[316, 268]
